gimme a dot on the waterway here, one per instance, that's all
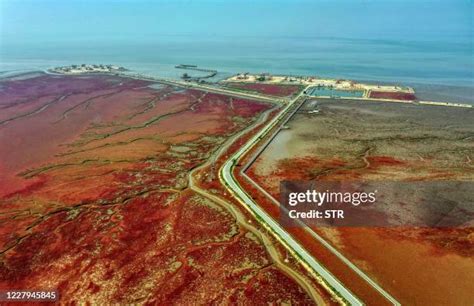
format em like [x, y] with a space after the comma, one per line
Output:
[324, 91]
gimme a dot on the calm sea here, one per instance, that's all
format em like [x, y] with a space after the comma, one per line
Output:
[420, 63]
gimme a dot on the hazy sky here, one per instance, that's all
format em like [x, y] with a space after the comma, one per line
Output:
[62, 20]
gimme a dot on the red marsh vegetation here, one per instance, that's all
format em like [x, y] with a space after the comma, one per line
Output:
[403, 96]
[441, 254]
[384, 141]
[94, 197]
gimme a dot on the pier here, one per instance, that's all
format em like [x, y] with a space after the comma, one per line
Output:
[210, 72]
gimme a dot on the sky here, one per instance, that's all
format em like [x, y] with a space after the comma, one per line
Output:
[33, 21]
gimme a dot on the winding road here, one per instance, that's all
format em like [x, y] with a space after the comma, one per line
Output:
[228, 179]
[239, 216]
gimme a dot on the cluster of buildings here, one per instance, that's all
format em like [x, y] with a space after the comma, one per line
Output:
[86, 68]
[315, 81]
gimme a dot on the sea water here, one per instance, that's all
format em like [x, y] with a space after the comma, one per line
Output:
[416, 42]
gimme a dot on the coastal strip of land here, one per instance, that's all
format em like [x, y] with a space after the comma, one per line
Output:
[315, 87]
